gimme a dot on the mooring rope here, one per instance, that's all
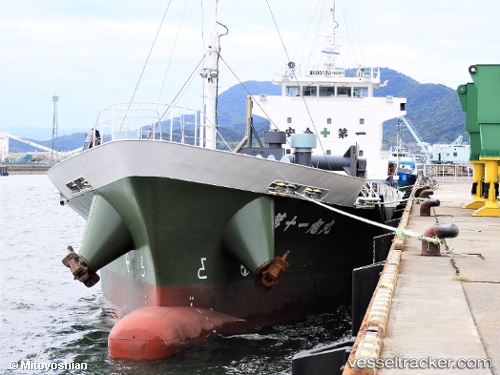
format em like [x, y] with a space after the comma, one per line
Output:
[416, 199]
[400, 232]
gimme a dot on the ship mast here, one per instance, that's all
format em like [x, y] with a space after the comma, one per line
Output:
[330, 51]
[210, 74]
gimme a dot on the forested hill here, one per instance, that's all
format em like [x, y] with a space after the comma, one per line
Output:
[433, 109]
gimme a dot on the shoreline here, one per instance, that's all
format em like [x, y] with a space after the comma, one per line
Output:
[20, 169]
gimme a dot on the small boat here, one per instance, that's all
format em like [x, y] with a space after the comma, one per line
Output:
[404, 165]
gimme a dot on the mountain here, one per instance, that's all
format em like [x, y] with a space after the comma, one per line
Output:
[231, 111]
[35, 132]
[433, 109]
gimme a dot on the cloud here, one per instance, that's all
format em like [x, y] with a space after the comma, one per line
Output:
[92, 53]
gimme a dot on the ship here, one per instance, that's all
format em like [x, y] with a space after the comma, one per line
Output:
[405, 166]
[187, 239]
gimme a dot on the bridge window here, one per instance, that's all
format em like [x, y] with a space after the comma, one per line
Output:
[292, 91]
[360, 92]
[344, 91]
[327, 91]
[361, 121]
[310, 91]
[288, 120]
[329, 121]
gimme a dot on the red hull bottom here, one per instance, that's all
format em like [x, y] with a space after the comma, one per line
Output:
[166, 327]
[157, 332]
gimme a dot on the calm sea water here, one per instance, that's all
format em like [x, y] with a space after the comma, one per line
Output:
[48, 318]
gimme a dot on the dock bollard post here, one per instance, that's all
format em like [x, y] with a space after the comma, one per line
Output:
[425, 207]
[426, 193]
[439, 231]
[421, 189]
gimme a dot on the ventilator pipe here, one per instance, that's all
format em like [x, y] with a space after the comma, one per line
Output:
[425, 208]
[440, 231]
[303, 144]
[425, 193]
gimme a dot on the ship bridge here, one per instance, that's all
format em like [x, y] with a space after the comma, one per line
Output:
[327, 82]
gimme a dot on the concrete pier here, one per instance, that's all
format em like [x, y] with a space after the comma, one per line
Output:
[444, 314]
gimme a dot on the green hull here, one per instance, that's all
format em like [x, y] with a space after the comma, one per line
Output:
[199, 245]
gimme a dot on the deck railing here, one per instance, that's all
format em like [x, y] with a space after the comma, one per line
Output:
[147, 120]
[449, 172]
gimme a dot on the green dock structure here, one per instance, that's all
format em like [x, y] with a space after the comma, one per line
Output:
[481, 102]
[442, 313]
[468, 99]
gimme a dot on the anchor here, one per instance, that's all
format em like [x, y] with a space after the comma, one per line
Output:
[79, 268]
[269, 274]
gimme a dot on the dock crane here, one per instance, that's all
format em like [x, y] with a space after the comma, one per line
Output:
[418, 139]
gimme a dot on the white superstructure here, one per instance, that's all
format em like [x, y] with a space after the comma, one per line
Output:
[4, 146]
[338, 120]
[336, 104]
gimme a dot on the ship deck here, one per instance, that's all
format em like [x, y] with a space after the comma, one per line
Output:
[443, 310]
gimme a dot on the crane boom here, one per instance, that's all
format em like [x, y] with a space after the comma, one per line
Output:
[417, 137]
[25, 141]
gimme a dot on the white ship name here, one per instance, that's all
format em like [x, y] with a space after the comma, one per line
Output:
[318, 227]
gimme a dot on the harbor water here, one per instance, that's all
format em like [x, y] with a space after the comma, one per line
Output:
[55, 325]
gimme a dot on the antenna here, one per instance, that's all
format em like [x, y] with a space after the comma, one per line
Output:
[55, 99]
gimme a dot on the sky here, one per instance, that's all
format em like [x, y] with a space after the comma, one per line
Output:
[91, 53]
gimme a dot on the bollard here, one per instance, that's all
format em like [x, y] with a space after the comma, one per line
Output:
[426, 193]
[425, 208]
[420, 190]
[439, 231]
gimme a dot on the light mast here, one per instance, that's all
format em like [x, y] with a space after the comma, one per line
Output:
[55, 99]
[210, 74]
